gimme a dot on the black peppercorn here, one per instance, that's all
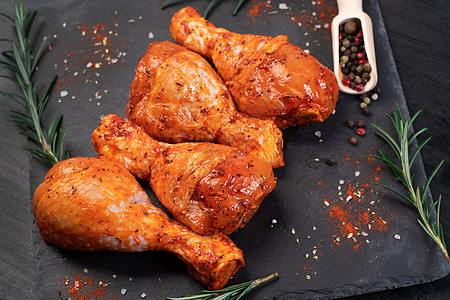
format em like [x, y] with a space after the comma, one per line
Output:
[357, 80]
[361, 124]
[345, 71]
[350, 123]
[351, 27]
[366, 110]
[351, 76]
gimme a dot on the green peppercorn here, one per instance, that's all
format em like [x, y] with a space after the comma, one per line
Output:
[342, 64]
[354, 49]
[366, 76]
[362, 105]
[344, 58]
[343, 49]
[366, 100]
[346, 43]
[360, 69]
[367, 67]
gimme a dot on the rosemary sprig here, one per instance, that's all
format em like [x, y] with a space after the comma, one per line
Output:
[417, 196]
[209, 8]
[21, 60]
[234, 292]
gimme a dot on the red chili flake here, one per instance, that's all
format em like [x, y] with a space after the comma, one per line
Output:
[361, 131]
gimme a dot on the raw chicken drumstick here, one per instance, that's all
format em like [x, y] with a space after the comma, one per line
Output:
[176, 96]
[209, 187]
[268, 78]
[95, 204]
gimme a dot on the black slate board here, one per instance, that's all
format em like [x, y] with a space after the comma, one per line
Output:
[296, 203]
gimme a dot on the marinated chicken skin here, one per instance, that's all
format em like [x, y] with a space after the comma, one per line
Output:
[268, 78]
[176, 96]
[95, 204]
[209, 187]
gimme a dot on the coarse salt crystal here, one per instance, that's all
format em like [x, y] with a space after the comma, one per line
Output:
[123, 291]
[131, 278]
[114, 60]
[397, 236]
[282, 6]
[357, 173]
[293, 231]
[88, 65]
[63, 94]
[306, 255]
[318, 133]
[349, 236]
[274, 221]
[306, 51]
[314, 228]
[143, 295]
[64, 24]
[348, 198]
[151, 35]
[314, 14]
[341, 181]
[364, 233]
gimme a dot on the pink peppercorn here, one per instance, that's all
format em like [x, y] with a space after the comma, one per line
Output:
[359, 87]
[362, 61]
[361, 55]
[361, 131]
[346, 82]
[360, 34]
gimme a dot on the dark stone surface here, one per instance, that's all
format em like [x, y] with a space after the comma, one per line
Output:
[412, 26]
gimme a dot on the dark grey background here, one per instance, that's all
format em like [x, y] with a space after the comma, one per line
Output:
[417, 31]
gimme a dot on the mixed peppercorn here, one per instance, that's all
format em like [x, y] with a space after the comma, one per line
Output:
[353, 59]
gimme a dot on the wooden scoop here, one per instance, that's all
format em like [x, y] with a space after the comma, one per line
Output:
[352, 9]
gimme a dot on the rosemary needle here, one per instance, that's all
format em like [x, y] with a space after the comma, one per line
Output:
[21, 61]
[234, 292]
[417, 196]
